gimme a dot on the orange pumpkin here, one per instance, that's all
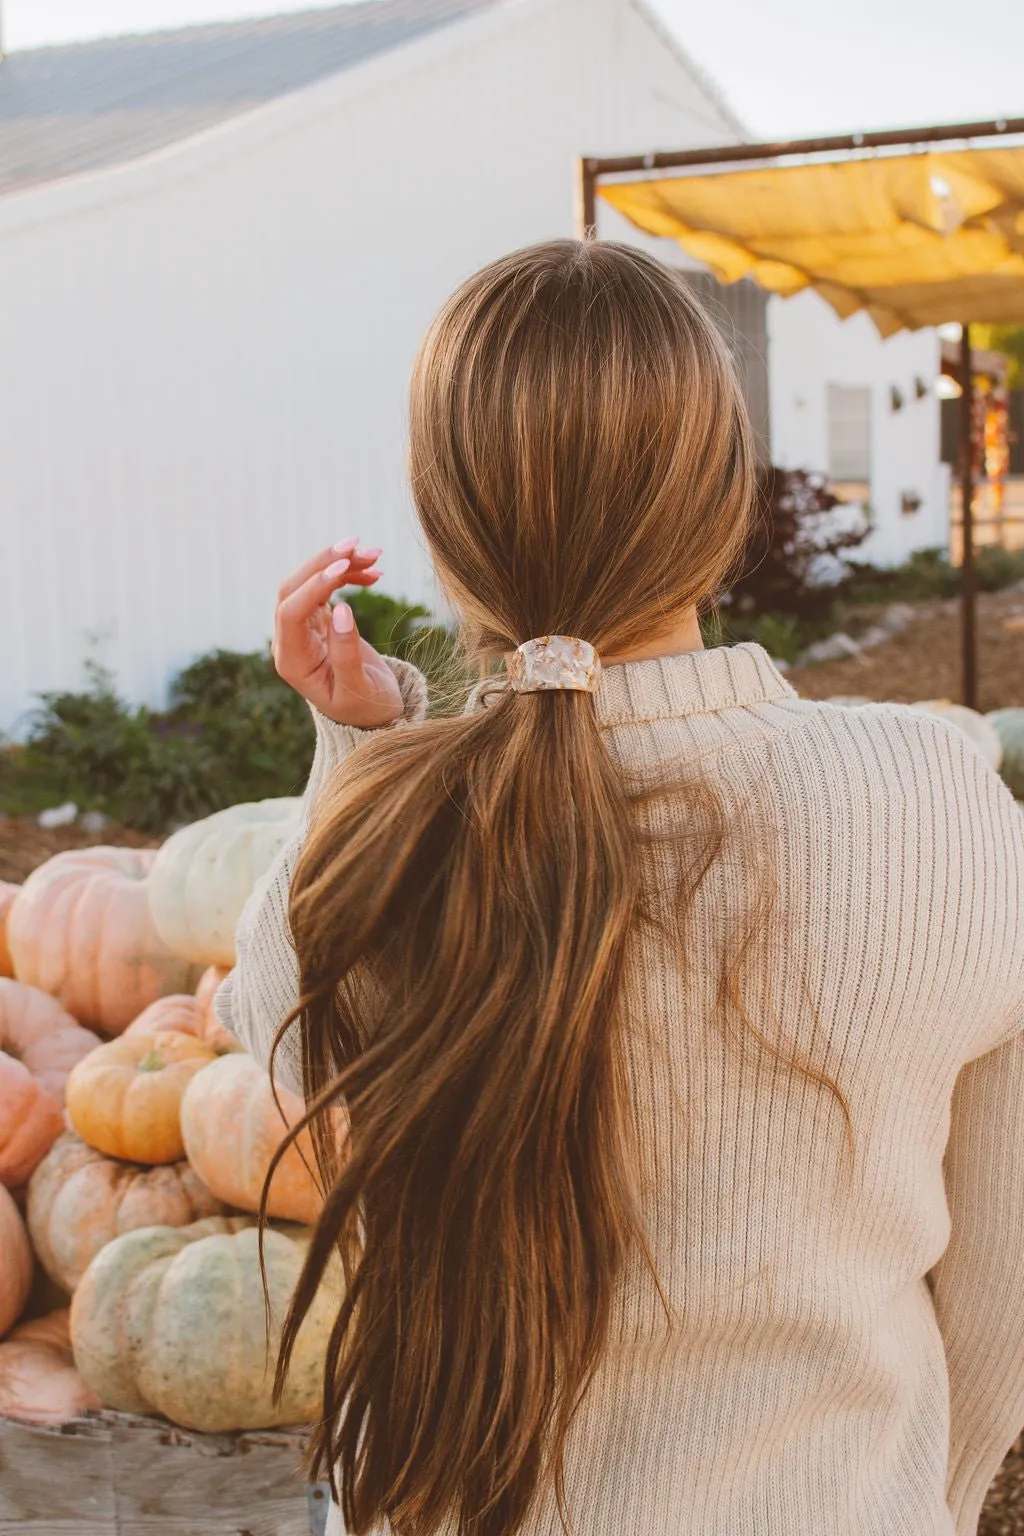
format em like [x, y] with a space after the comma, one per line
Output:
[7, 895]
[79, 1200]
[210, 1028]
[38, 1380]
[178, 1012]
[15, 1262]
[80, 928]
[125, 1098]
[232, 1128]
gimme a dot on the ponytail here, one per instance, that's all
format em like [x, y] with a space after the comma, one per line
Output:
[461, 912]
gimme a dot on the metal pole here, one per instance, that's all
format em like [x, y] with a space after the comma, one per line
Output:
[659, 160]
[968, 574]
[586, 200]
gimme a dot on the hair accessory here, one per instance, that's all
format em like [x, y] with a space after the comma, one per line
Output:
[554, 661]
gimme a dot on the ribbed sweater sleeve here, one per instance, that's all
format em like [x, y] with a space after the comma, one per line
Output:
[977, 1284]
[261, 990]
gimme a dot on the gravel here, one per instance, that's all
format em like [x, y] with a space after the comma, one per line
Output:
[923, 662]
[1003, 1512]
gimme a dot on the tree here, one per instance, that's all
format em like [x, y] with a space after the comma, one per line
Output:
[1008, 339]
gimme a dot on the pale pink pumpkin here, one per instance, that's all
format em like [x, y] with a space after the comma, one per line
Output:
[232, 1128]
[39, 1383]
[39, 1044]
[7, 895]
[80, 928]
[178, 1012]
[15, 1262]
[79, 1201]
[30, 1122]
[38, 1032]
[210, 1028]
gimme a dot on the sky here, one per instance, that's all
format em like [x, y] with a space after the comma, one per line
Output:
[788, 67]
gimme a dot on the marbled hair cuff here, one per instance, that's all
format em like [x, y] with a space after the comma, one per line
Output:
[554, 661]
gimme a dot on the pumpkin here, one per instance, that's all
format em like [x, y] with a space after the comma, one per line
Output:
[178, 1013]
[30, 1122]
[15, 1261]
[38, 1380]
[977, 727]
[171, 1320]
[210, 1028]
[232, 1128]
[80, 928]
[79, 1200]
[39, 1044]
[125, 1099]
[7, 895]
[1008, 725]
[204, 873]
[36, 1030]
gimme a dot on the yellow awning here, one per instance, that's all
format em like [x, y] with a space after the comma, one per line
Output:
[913, 239]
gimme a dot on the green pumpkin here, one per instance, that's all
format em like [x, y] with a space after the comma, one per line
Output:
[170, 1320]
[1009, 727]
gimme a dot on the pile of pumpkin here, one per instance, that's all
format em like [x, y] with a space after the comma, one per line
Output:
[998, 736]
[135, 1136]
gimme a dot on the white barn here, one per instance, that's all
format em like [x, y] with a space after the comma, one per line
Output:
[218, 250]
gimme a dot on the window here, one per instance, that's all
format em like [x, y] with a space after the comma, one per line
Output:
[849, 434]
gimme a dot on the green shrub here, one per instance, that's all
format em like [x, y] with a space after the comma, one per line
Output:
[928, 573]
[998, 568]
[232, 731]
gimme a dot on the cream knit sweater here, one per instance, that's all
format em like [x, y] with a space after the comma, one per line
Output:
[847, 1358]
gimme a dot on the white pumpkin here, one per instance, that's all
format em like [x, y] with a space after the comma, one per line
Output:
[204, 873]
[980, 730]
[1009, 727]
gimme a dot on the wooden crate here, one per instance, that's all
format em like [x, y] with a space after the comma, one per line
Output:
[113, 1474]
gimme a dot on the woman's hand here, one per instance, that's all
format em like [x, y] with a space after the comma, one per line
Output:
[318, 650]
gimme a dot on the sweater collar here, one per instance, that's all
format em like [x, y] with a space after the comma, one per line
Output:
[689, 683]
[670, 687]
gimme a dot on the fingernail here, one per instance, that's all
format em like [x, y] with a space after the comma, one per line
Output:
[337, 569]
[345, 547]
[371, 571]
[341, 618]
[369, 554]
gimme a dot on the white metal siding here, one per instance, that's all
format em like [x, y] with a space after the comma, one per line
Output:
[809, 350]
[204, 358]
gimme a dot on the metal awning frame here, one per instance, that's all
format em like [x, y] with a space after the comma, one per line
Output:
[592, 169]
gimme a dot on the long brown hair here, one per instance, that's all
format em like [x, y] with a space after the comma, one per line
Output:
[581, 464]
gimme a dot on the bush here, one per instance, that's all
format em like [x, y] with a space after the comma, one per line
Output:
[928, 573]
[233, 731]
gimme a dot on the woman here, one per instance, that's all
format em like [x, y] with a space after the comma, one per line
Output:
[655, 994]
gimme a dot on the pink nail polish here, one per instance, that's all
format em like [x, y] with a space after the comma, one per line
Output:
[371, 571]
[337, 569]
[345, 547]
[368, 554]
[341, 618]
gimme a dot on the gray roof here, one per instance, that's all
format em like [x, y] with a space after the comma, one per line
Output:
[72, 109]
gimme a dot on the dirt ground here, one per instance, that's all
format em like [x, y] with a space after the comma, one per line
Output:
[1003, 1511]
[23, 844]
[924, 661]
